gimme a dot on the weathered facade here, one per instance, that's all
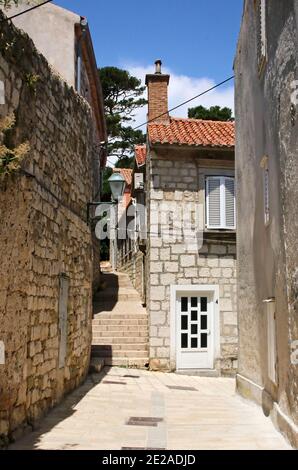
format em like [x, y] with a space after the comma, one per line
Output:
[190, 250]
[46, 269]
[267, 182]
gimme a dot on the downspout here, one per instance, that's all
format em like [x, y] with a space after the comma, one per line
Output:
[84, 26]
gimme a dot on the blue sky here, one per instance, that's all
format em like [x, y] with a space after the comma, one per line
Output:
[196, 40]
[192, 37]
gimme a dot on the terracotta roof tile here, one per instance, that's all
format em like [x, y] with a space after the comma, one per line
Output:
[193, 132]
[140, 152]
[126, 173]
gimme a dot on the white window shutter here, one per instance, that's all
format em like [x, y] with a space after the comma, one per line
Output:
[263, 27]
[230, 205]
[213, 202]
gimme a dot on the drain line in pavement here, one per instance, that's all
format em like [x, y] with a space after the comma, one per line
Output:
[157, 436]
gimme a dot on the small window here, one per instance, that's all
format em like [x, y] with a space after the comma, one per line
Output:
[271, 339]
[266, 196]
[220, 203]
[261, 32]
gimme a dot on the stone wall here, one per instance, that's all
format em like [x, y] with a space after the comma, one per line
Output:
[43, 237]
[133, 265]
[130, 258]
[178, 178]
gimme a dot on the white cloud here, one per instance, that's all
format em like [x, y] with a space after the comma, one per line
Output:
[182, 88]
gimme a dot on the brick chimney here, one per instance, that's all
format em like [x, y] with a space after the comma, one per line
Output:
[157, 85]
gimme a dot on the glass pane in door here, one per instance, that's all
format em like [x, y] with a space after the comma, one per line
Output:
[193, 322]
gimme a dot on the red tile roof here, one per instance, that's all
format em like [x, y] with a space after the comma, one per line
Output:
[193, 132]
[126, 173]
[140, 152]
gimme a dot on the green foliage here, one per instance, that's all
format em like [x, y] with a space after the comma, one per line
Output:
[10, 159]
[122, 97]
[8, 3]
[125, 162]
[106, 192]
[31, 79]
[215, 113]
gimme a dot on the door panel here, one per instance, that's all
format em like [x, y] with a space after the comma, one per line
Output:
[194, 327]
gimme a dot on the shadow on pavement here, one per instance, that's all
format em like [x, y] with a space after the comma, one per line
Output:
[58, 414]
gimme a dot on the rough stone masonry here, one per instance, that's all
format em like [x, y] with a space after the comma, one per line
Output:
[45, 242]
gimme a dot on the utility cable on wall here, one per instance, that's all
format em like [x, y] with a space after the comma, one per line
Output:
[182, 104]
[185, 102]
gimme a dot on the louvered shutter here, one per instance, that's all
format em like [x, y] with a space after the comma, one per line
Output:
[220, 202]
[213, 202]
[261, 33]
[230, 212]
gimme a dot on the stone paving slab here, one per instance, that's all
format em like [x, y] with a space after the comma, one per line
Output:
[211, 417]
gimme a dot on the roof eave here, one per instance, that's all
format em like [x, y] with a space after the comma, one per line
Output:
[96, 89]
[177, 145]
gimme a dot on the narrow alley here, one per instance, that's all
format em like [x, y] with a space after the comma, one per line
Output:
[123, 408]
[128, 407]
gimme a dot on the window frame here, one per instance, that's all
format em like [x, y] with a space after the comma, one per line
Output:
[223, 225]
[261, 13]
[266, 189]
[266, 196]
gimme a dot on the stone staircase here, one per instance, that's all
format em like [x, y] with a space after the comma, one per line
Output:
[120, 324]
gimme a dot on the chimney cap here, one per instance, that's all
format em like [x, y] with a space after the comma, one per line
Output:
[158, 64]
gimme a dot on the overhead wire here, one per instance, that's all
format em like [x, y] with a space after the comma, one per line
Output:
[180, 105]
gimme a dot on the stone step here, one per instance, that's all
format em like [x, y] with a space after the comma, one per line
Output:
[119, 339]
[114, 295]
[113, 322]
[132, 362]
[111, 349]
[120, 330]
[120, 324]
[98, 351]
[121, 316]
[113, 331]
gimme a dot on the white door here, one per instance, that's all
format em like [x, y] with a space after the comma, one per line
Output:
[195, 331]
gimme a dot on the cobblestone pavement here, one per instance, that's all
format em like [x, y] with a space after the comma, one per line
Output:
[190, 413]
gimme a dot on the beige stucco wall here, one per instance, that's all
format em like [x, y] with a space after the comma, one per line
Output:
[267, 254]
[52, 30]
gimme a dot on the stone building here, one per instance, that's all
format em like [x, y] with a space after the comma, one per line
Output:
[190, 231]
[46, 245]
[266, 167]
[75, 63]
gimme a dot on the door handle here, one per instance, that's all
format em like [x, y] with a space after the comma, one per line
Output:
[208, 332]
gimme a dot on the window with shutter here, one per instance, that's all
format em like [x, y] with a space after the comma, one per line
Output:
[220, 203]
[261, 33]
[213, 203]
[230, 202]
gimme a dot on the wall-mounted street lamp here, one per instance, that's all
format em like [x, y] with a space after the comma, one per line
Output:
[117, 185]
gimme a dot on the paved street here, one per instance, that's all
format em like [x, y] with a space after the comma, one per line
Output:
[190, 412]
